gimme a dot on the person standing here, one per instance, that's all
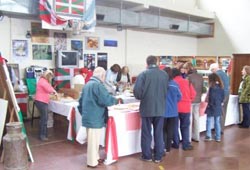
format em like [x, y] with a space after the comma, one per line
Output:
[197, 81]
[214, 68]
[151, 89]
[245, 97]
[79, 78]
[171, 112]
[92, 103]
[123, 76]
[42, 97]
[214, 107]
[184, 109]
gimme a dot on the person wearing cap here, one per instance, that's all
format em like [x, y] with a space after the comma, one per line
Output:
[42, 97]
[79, 78]
[214, 68]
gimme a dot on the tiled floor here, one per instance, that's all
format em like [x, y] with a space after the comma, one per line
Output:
[233, 153]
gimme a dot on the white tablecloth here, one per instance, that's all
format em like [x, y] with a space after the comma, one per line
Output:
[232, 116]
[127, 128]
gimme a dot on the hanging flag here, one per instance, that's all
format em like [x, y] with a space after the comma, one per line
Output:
[73, 7]
[89, 15]
[48, 15]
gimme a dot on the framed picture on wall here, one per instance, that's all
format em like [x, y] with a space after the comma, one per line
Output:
[39, 35]
[60, 41]
[89, 61]
[92, 43]
[20, 48]
[76, 45]
[41, 52]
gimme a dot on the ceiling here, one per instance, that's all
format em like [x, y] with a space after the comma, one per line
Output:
[130, 15]
[124, 14]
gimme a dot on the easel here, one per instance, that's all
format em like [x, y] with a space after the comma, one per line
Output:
[7, 93]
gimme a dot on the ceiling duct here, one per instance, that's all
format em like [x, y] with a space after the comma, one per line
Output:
[127, 14]
[139, 16]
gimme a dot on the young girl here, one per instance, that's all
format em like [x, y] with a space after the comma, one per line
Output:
[214, 107]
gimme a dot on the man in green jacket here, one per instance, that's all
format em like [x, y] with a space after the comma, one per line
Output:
[92, 103]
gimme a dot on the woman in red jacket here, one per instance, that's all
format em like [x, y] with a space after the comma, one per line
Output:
[184, 109]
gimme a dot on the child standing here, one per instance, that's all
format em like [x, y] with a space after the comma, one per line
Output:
[214, 107]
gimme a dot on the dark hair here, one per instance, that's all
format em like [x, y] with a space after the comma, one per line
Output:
[151, 60]
[169, 71]
[115, 68]
[176, 72]
[214, 79]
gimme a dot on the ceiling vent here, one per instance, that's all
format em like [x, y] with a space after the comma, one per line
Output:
[174, 27]
[100, 17]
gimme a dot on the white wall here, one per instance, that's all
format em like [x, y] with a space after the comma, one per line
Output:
[133, 46]
[142, 44]
[232, 28]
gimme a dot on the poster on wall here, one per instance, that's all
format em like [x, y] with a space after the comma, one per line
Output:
[60, 41]
[92, 43]
[102, 60]
[110, 43]
[41, 52]
[76, 45]
[167, 61]
[39, 35]
[19, 49]
[89, 61]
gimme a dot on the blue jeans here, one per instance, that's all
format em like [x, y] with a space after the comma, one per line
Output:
[184, 127]
[246, 114]
[146, 137]
[43, 110]
[216, 126]
[176, 137]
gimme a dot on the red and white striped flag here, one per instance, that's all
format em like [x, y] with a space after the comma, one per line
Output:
[48, 15]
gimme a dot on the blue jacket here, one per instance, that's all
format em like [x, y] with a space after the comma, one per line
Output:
[215, 99]
[151, 89]
[225, 79]
[173, 96]
[92, 103]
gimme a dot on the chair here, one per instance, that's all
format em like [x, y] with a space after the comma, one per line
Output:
[31, 85]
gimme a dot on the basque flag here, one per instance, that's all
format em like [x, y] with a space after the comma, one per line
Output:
[48, 15]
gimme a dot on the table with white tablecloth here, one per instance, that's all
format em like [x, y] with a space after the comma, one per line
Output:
[123, 128]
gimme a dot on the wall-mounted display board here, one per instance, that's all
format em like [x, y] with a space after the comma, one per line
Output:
[238, 62]
[224, 62]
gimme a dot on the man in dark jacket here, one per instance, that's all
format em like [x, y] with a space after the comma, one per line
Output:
[151, 89]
